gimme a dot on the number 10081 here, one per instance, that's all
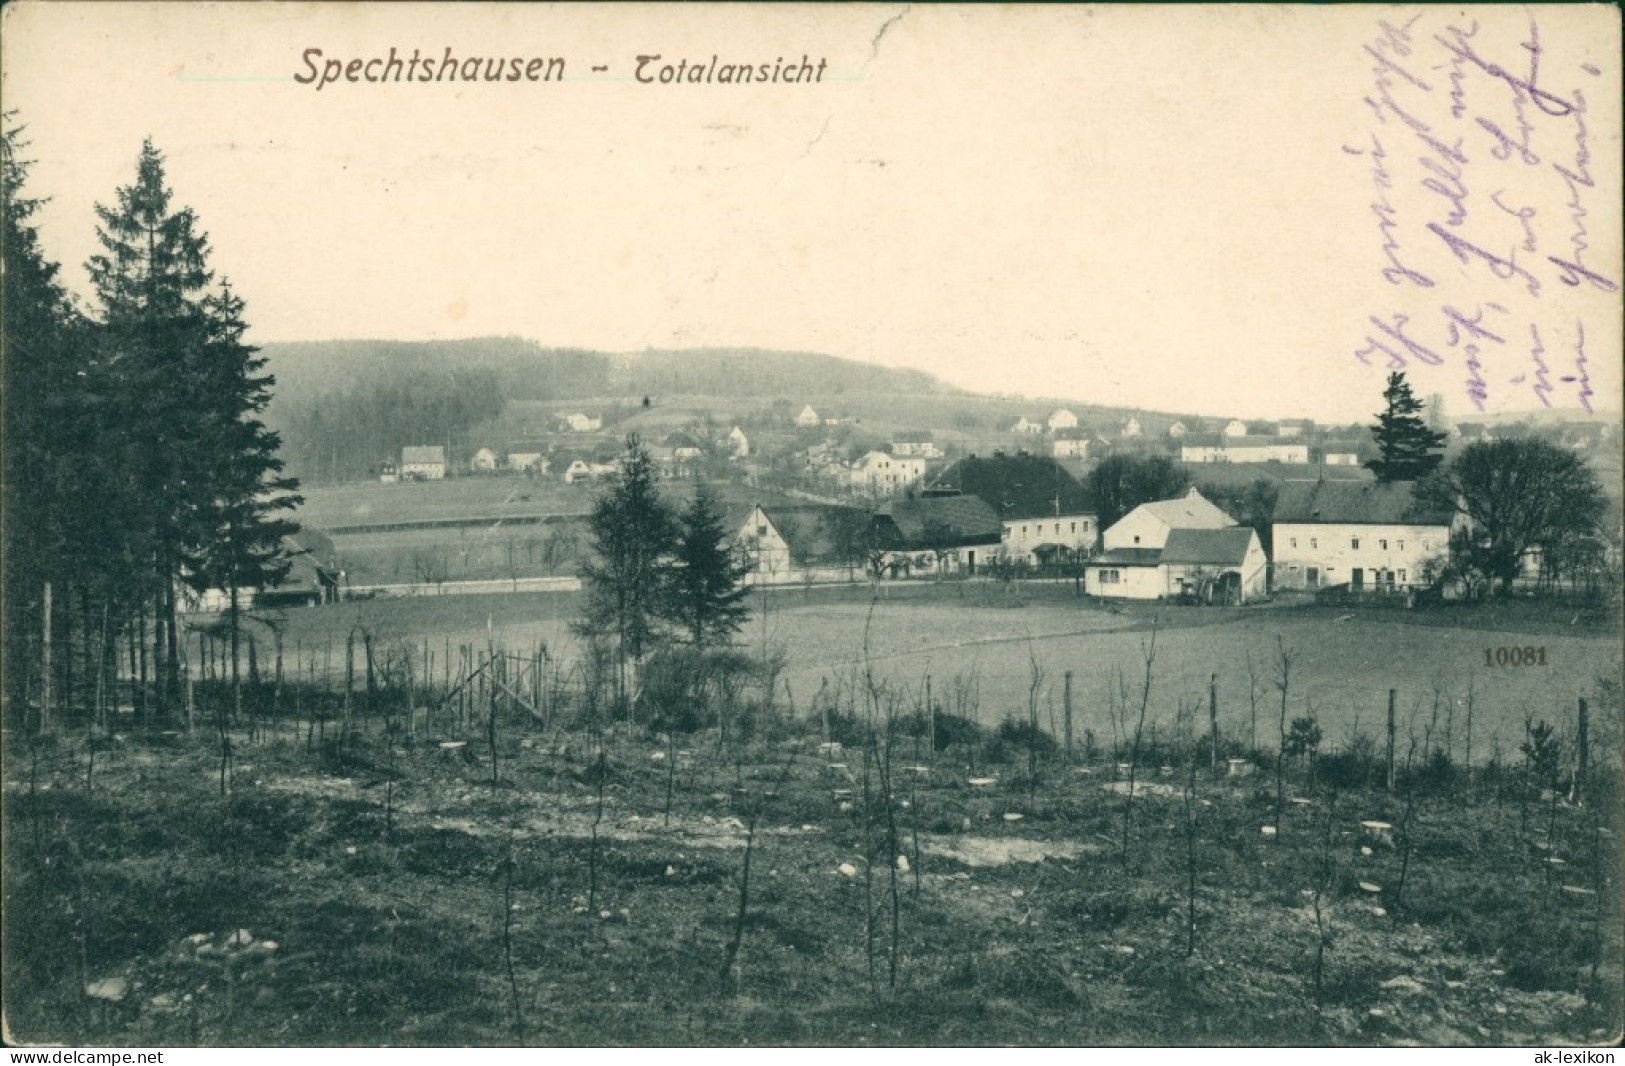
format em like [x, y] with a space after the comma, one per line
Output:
[1515, 656]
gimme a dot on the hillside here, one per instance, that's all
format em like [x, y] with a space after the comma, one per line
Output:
[529, 371]
[343, 407]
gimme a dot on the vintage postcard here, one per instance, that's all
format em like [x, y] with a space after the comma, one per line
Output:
[868, 524]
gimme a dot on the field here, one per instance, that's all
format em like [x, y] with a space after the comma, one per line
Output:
[986, 636]
[366, 503]
[806, 858]
[446, 884]
[489, 527]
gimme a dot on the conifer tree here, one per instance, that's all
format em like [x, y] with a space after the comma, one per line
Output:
[705, 588]
[1410, 450]
[42, 346]
[151, 279]
[201, 494]
[632, 535]
[240, 523]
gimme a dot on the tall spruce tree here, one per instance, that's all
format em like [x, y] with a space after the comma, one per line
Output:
[241, 521]
[1410, 450]
[201, 494]
[42, 345]
[705, 589]
[151, 280]
[632, 534]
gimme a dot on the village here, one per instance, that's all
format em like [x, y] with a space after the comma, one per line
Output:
[1263, 508]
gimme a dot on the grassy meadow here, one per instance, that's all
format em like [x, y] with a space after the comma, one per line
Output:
[978, 643]
[505, 864]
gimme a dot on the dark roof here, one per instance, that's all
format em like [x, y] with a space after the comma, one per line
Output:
[1017, 486]
[311, 560]
[804, 526]
[1252, 440]
[1208, 547]
[1128, 557]
[1367, 502]
[937, 522]
[423, 453]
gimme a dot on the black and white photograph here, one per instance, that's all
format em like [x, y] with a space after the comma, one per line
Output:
[794, 525]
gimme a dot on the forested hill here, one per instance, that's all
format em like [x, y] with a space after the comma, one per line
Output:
[528, 371]
[343, 406]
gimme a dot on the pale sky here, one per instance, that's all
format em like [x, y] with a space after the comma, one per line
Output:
[1170, 208]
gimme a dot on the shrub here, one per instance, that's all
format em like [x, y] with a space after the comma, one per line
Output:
[1013, 738]
[953, 729]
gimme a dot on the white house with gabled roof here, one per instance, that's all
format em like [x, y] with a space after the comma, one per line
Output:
[882, 474]
[1368, 535]
[1148, 525]
[423, 462]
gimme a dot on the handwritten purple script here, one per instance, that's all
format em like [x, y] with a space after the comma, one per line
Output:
[1493, 238]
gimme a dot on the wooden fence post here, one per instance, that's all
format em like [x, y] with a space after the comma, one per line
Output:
[1213, 714]
[1066, 709]
[1583, 756]
[1391, 696]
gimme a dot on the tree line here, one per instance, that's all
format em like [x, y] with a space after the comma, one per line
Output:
[137, 463]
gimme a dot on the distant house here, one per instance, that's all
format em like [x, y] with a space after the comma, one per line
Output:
[577, 468]
[759, 539]
[1025, 428]
[484, 461]
[313, 578]
[738, 443]
[1364, 534]
[1216, 565]
[674, 462]
[1294, 427]
[578, 422]
[425, 462]
[1235, 428]
[387, 472]
[1044, 513]
[1206, 565]
[1070, 444]
[1182, 547]
[1249, 449]
[684, 446]
[1062, 419]
[1177, 431]
[527, 458]
[962, 531]
[1341, 458]
[1148, 525]
[881, 474]
[1130, 428]
[916, 443]
[808, 417]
